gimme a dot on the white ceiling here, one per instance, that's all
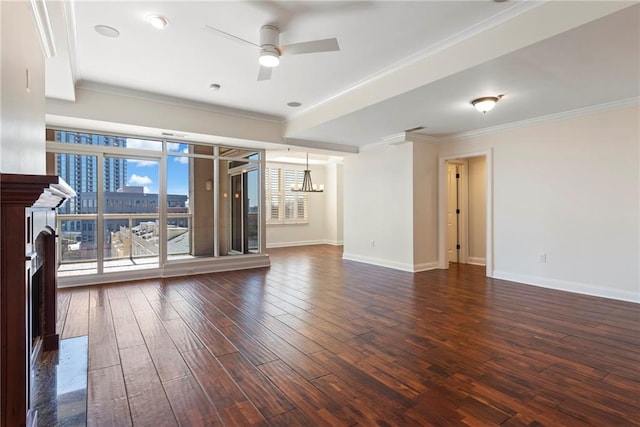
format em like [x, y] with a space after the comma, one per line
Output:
[400, 64]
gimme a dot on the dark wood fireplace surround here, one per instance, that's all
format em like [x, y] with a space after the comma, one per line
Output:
[28, 284]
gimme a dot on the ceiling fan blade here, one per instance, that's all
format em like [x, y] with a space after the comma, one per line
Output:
[231, 36]
[326, 45]
[264, 73]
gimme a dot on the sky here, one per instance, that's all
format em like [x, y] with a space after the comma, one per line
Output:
[145, 172]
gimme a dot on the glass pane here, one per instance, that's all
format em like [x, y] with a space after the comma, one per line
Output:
[179, 204]
[81, 173]
[77, 247]
[83, 138]
[133, 243]
[239, 153]
[253, 203]
[131, 239]
[236, 214]
[179, 237]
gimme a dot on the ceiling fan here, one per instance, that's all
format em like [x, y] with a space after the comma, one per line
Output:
[270, 49]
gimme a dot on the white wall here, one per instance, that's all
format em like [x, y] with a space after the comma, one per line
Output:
[333, 203]
[425, 201]
[22, 138]
[164, 114]
[314, 231]
[378, 200]
[569, 189]
[477, 216]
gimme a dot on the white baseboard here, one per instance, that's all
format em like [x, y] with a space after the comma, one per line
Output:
[425, 266]
[565, 285]
[290, 244]
[411, 268]
[476, 260]
[303, 243]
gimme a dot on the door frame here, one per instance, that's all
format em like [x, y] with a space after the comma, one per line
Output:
[242, 171]
[443, 262]
[463, 205]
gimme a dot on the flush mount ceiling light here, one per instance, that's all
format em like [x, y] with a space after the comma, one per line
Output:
[158, 21]
[106, 31]
[486, 103]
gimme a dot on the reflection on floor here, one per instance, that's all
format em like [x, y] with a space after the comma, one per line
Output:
[60, 384]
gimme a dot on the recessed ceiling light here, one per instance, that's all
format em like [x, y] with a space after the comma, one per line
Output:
[214, 87]
[158, 21]
[107, 31]
[294, 104]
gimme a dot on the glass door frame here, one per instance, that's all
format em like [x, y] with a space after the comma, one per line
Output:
[242, 171]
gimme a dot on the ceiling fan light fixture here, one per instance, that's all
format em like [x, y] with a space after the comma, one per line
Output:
[486, 103]
[158, 21]
[269, 57]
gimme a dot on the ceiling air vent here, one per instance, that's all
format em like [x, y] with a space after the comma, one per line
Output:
[415, 129]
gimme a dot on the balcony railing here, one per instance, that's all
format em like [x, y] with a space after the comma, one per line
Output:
[129, 240]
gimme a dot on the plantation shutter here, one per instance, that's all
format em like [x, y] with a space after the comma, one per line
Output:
[283, 205]
[273, 192]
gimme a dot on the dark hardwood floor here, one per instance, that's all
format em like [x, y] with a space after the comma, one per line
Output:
[316, 340]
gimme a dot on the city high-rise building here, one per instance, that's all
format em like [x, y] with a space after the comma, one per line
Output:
[81, 171]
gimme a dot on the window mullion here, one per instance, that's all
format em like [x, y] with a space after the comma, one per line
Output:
[100, 219]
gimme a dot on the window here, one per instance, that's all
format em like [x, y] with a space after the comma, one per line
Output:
[150, 198]
[283, 205]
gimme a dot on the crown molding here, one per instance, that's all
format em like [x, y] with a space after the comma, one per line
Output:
[493, 21]
[170, 100]
[420, 137]
[320, 145]
[402, 137]
[608, 106]
[43, 25]
[69, 17]
[395, 139]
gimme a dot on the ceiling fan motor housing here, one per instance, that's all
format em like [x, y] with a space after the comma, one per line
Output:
[269, 38]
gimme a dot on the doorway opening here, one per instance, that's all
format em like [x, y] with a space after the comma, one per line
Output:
[245, 218]
[465, 226]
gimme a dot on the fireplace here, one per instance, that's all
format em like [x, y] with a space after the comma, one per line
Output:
[28, 284]
[42, 290]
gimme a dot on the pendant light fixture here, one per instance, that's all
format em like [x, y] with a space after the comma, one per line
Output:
[307, 186]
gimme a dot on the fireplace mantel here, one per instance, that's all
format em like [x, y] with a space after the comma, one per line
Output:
[20, 195]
